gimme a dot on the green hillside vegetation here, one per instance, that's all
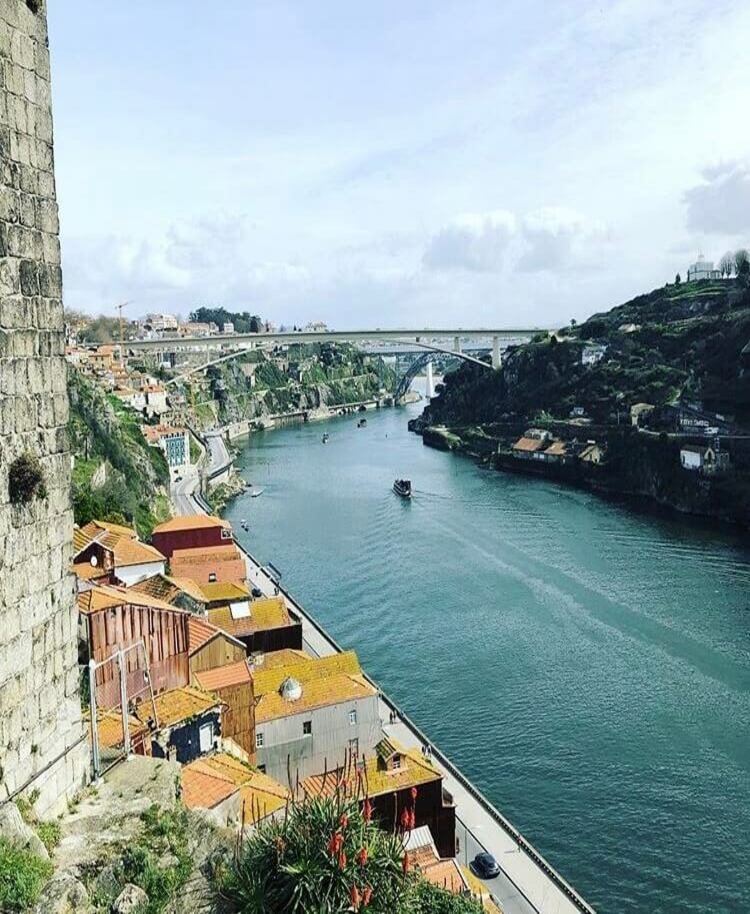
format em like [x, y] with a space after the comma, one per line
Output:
[307, 377]
[688, 343]
[103, 432]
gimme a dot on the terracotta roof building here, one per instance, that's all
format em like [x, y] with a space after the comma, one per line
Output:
[265, 624]
[235, 792]
[116, 550]
[208, 565]
[185, 722]
[387, 776]
[190, 532]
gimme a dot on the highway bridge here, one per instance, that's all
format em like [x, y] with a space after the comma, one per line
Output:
[428, 338]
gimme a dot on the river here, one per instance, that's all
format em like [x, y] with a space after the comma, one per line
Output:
[588, 667]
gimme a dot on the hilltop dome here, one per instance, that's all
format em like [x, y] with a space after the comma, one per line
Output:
[290, 689]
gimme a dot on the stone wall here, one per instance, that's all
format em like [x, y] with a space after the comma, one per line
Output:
[41, 734]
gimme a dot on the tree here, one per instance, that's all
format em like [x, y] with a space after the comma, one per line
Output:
[726, 264]
[741, 262]
[677, 280]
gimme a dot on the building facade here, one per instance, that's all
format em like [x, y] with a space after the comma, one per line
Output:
[42, 739]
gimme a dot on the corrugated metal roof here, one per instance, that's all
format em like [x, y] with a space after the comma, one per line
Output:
[104, 596]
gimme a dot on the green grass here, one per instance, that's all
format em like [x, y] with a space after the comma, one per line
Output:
[49, 833]
[22, 877]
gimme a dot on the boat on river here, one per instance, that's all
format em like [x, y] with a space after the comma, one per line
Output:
[362, 423]
[325, 437]
[402, 487]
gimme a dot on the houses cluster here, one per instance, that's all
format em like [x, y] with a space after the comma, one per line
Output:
[189, 659]
[538, 444]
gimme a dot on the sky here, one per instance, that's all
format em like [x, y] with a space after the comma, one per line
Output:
[396, 164]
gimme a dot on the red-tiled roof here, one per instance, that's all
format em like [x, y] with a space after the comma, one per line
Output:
[201, 631]
[220, 677]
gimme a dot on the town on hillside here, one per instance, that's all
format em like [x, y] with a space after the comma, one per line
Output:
[193, 654]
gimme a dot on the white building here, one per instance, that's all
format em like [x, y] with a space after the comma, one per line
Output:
[702, 269]
[227, 327]
[697, 457]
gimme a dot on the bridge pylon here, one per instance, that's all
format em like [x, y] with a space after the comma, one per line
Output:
[496, 357]
[429, 382]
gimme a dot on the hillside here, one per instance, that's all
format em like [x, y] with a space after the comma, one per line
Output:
[677, 342]
[677, 348]
[305, 378]
[116, 475]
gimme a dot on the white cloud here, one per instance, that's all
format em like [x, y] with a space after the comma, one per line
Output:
[473, 241]
[550, 234]
[721, 204]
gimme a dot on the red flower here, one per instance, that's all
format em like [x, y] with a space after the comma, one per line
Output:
[412, 819]
[367, 810]
[405, 863]
[414, 793]
[355, 897]
[405, 819]
[362, 856]
[344, 820]
[280, 844]
[342, 860]
[366, 896]
[335, 844]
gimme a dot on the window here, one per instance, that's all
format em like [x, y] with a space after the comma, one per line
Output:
[354, 748]
[396, 761]
[226, 534]
[206, 737]
[212, 577]
[258, 740]
[307, 728]
[262, 769]
[353, 717]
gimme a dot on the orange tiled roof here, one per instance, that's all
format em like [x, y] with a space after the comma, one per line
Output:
[88, 572]
[226, 591]
[199, 555]
[260, 794]
[221, 677]
[133, 552]
[191, 522]
[306, 670]
[177, 705]
[109, 727]
[274, 659]
[98, 526]
[200, 632]
[153, 433]
[528, 444]
[376, 779]
[445, 873]
[204, 789]
[266, 612]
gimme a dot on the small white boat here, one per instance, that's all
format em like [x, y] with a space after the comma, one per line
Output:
[255, 492]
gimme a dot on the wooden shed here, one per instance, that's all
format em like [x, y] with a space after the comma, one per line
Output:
[113, 618]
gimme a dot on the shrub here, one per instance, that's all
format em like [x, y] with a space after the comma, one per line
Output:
[49, 833]
[22, 876]
[327, 856]
[26, 480]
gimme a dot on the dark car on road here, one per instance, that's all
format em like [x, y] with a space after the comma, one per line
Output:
[485, 866]
[257, 592]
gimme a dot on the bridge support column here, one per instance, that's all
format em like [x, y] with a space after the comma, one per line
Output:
[456, 343]
[429, 382]
[496, 358]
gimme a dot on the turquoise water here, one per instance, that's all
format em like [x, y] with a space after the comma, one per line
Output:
[586, 666]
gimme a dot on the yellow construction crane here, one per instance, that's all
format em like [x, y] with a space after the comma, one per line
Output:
[122, 336]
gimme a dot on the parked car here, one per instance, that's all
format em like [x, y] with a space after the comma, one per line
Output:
[485, 866]
[257, 592]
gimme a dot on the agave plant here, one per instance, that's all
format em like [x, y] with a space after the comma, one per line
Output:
[324, 856]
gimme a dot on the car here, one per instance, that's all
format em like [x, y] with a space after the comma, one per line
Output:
[485, 866]
[257, 592]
